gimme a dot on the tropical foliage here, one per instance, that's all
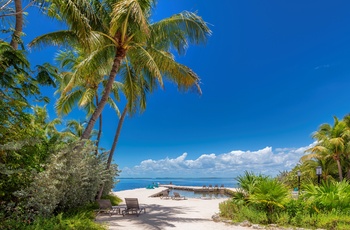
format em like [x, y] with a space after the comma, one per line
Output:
[46, 171]
[260, 193]
[316, 205]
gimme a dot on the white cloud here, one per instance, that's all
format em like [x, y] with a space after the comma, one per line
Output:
[322, 66]
[266, 161]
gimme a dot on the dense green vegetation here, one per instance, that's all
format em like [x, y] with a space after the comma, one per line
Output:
[265, 200]
[52, 170]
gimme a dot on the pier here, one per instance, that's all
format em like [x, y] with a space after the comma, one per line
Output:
[215, 189]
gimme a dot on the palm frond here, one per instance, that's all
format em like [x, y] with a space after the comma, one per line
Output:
[66, 58]
[58, 38]
[79, 15]
[65, 103]
[130, 87]
[183, 76]
[87, 97]
[142, 60]
[179, 30]
[100, 59]
[130, 13]
[114, 106]
[89, 108]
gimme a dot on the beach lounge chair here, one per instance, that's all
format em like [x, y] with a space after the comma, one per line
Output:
[210, 187]
[132, 207]
[105, 206]
[222, 186]
[216, 187]
[177, 196]
[165, 195]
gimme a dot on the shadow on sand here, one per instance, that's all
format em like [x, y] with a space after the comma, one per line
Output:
[156, 217]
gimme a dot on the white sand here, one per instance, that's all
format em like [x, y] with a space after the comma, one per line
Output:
[167, 213]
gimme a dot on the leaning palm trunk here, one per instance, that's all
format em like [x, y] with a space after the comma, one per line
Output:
[100, 128]
[115, 141]
[121, 52]
[116, 137]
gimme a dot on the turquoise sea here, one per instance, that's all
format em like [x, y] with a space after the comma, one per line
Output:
[132, 183]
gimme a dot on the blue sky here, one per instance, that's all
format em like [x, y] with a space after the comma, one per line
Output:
[271, 73]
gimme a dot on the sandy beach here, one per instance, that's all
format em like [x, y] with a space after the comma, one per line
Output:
[192, 213]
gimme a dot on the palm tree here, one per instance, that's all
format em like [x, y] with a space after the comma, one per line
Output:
[331, 142]
[114, 30]
[346, 154]
[135, 88]
[85, 89]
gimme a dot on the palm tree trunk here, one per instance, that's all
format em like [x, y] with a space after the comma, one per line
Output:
[100, 128]
[116, 64]
[115, 141]
[19, 24]
[340, 170]
[116, 137]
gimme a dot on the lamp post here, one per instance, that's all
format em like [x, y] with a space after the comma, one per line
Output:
[318, 173]
[299, 174]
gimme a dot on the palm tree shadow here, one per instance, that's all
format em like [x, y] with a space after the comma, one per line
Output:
[156, 217]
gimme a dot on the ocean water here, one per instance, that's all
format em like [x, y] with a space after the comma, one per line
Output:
[132, 183]
[192, 194]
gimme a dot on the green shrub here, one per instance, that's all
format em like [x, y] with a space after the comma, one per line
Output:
[329, 195]
[228, 209]
[264, 200]
[295, 207]
[80, 221]
[283, 219]
[270, 196]
[71, 179]
[333, 220]
[253, 215]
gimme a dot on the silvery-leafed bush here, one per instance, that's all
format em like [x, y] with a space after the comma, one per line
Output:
[72, 178]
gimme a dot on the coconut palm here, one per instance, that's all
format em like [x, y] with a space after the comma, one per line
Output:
[114, 30]
[85, 89]
[331, 142]
[136, 87]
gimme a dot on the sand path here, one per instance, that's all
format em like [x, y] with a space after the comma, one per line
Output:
[167, 213]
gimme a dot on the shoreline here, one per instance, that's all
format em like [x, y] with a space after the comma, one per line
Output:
[132, 183]
[187, 188]
[192, 213]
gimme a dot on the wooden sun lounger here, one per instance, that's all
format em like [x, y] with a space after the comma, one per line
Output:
[133, 207]
[178, 197]
[165, 195]
[105, 206]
